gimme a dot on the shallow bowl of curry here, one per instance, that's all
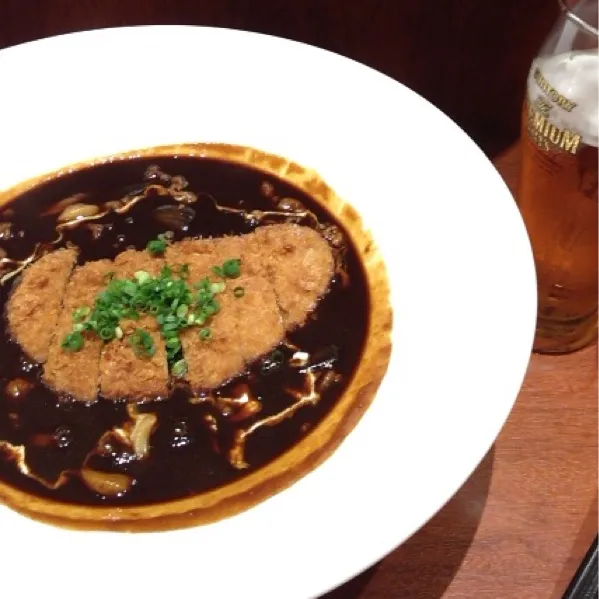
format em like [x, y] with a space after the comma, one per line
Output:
[264, 307]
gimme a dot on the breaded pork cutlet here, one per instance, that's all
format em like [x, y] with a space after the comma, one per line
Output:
[299, 266]
[208, 363]
[245, 327]
[76, 373]
[122, 373]
[35, 304]
[284, 271]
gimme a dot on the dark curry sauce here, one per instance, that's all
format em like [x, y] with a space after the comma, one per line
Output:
[186, 458]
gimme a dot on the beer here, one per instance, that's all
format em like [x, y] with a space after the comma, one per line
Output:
[558, 195]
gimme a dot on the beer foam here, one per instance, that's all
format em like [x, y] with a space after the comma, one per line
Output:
[575, 76]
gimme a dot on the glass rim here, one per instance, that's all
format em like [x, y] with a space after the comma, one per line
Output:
[580, 22]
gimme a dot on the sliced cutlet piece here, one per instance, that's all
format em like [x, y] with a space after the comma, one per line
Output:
[123, 374]
[76, 372]
[299, 265]
[35, 304]
[214, 361]
[253, 313]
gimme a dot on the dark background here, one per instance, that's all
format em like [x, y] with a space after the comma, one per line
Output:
[469, 57]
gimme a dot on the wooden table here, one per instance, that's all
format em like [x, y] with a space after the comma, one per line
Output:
[522, 523]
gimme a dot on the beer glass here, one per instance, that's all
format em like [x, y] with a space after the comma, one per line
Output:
[558, 192]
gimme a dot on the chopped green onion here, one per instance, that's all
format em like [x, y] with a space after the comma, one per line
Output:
[73, 341]
[179, 368]
[142, 276]
[167, 297]
[218, 287]
[203, 284]
[107, 333]
[239, 292]
[211, 307]
[182, 311]
[184, 271]
[218, 271]
[129, 288]
[142, 343]
[81, 314]
[173, 343]
[231, 268]
[156, 247]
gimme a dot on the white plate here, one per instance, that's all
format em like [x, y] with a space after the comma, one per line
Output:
[458, 257]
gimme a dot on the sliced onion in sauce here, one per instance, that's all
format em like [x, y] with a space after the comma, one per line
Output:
[109, 484]
[333, 235]
[17, 388]
[5, 230]
[78, 211]
[153, 172]
[290, 205]
[96, 230]
[178, 183]
[140, 435]
[64, 203]
[249, 408]
[184, 197]
[299, 359]
[174, 217]
[111, 205]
